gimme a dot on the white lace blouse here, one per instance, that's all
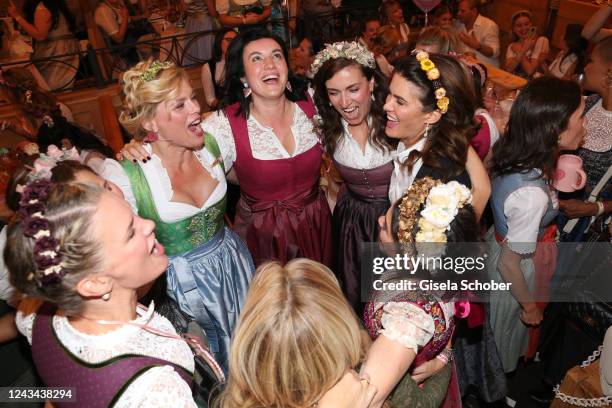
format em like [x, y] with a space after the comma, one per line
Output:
[161, 187]
[264, 143]
[157, 387]
[349, 153]
[410, 325]
[598, 124]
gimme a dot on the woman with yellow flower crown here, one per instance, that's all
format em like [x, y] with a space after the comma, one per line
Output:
[430, 110]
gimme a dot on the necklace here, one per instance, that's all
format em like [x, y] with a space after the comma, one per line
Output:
[194, 343]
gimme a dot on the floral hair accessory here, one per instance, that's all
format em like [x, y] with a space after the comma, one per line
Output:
[442, 204]
[152, 72]
[35, 225]
[433, 74]
[41, 168]
[441, 208]
[343, 49]
[412, 200]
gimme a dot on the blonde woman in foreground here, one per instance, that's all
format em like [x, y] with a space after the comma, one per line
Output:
[297, 343]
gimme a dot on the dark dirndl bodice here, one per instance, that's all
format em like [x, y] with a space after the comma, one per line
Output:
[96, 385]
[363, 198]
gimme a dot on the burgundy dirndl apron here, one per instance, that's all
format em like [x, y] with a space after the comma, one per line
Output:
[282, 213]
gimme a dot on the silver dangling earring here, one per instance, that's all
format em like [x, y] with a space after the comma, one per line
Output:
[247, 90]
[106, 296]
[288, 86]
[426, 130]
[372, 97]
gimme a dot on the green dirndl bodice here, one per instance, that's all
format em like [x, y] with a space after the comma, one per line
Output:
[183, 235]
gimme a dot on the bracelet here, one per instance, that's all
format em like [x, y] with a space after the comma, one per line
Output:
[445, 355]
[600, 208]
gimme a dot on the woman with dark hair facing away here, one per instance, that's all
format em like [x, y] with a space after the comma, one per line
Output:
[349, 93]
[410, 328]
[545, 119]
[80, 254]
[266, 136]
[572, 58]
[51, 25]
[268, 142]
[431, 112]
[213, 70]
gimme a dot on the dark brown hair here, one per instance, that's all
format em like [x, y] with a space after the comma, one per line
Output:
[539, 115]
[331, 124]
[449, 138]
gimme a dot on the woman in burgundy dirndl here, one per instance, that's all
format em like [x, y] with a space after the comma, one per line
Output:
[266, 135]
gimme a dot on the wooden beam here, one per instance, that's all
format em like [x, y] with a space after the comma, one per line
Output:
[112, 128]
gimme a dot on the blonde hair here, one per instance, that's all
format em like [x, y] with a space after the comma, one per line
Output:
[296, 337]
[386, 40]
[445, 41]
[143, 96]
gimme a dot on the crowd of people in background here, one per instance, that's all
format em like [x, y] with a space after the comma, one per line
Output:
[218, 259]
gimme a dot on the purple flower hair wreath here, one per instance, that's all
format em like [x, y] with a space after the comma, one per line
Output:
[35, 225]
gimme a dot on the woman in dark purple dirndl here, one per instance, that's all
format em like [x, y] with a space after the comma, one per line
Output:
[349, 94]
[80, 255]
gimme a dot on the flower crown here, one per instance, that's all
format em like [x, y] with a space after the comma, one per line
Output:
[442, 203]
[41, 168]
[151, 73]
[433, 74]
[343, 49]
[34, 224]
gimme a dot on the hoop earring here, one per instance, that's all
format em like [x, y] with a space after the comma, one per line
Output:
[106, 296]
[247, 90]
[288, 86]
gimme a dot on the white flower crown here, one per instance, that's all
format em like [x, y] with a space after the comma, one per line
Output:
[343, 49]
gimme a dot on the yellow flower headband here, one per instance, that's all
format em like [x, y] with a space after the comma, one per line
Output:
[433, 74]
